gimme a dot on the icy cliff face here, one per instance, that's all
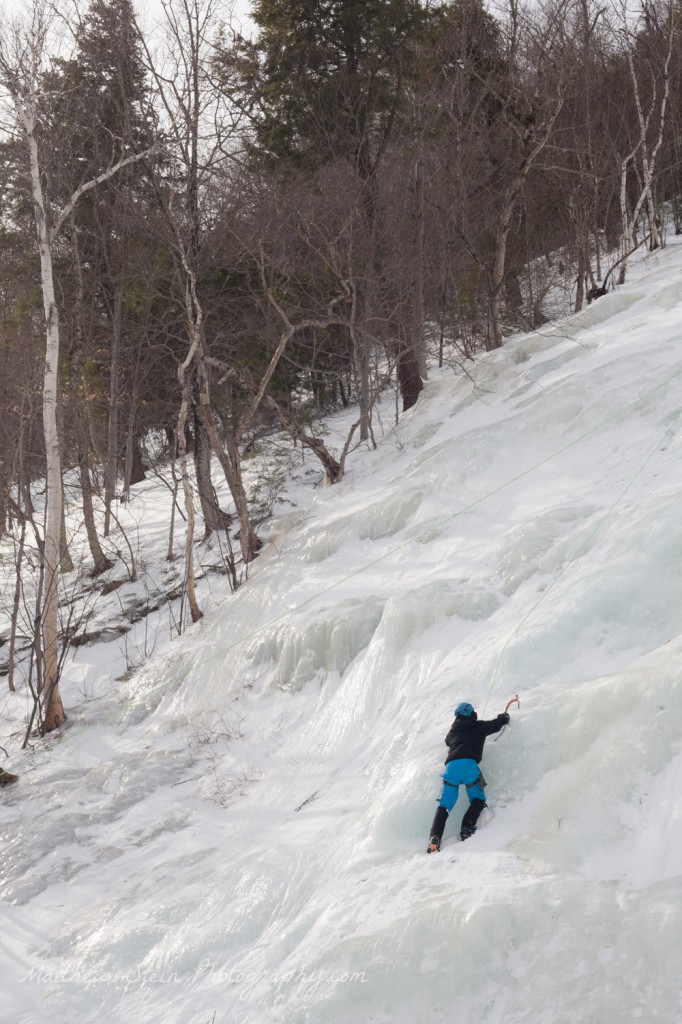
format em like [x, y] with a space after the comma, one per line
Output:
[237, 833]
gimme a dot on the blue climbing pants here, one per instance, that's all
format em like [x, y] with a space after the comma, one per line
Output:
[463, 771]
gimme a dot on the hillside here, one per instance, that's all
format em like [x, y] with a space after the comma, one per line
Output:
[235, 832]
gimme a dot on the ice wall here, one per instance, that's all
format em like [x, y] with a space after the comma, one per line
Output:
[244, 840]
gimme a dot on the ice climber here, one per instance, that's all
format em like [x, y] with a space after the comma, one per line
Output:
[465, 750]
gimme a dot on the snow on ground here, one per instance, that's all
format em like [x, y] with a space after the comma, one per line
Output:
[235, 832]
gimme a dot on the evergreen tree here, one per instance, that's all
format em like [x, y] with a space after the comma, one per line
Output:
[325, 77]
[326, 80]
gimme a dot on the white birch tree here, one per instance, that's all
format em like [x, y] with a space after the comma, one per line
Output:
[650, 131]
[23, 54]
[530, 110]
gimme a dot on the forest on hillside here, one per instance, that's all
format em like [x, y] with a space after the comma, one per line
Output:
[211, 234]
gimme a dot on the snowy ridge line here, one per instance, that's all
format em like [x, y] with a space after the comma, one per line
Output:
[583, 547]
[420, 536]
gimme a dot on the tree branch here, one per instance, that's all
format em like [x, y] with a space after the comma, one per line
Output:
[94, 182]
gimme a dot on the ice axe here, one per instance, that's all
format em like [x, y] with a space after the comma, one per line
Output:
[514, 700]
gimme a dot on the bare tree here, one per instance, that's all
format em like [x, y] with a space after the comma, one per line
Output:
[530, 110]
[650, 115]
[199, 130]
[100, 561]
[23, 51]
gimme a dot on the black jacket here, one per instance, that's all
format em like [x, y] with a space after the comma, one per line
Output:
[467, 736]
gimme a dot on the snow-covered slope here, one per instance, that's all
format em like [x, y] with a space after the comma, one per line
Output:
[237, 833]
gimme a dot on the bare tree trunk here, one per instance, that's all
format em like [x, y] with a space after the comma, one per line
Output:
[249, 542]
[531, 150]
[3, 509]
[646, 198]
[576, 214]
[19, 564]
[533, 126]
[362, 369]
[495, 338]
[21, 516]
[21, 57]
[409, 375]
[418, 286]
[112, 435]
[138, 471]
[65, 560]
[332, 468]
[52, 707]
[360, 345]
[134, 470]
[214, 517]
[194, 609]
[628, 228]
[100, 560]
[94, 445]
[174, 501]
[580, 281]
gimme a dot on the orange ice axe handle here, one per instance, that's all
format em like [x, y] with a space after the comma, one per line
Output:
[514, 700]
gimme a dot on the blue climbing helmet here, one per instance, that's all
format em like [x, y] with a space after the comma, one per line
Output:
[464, 710]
